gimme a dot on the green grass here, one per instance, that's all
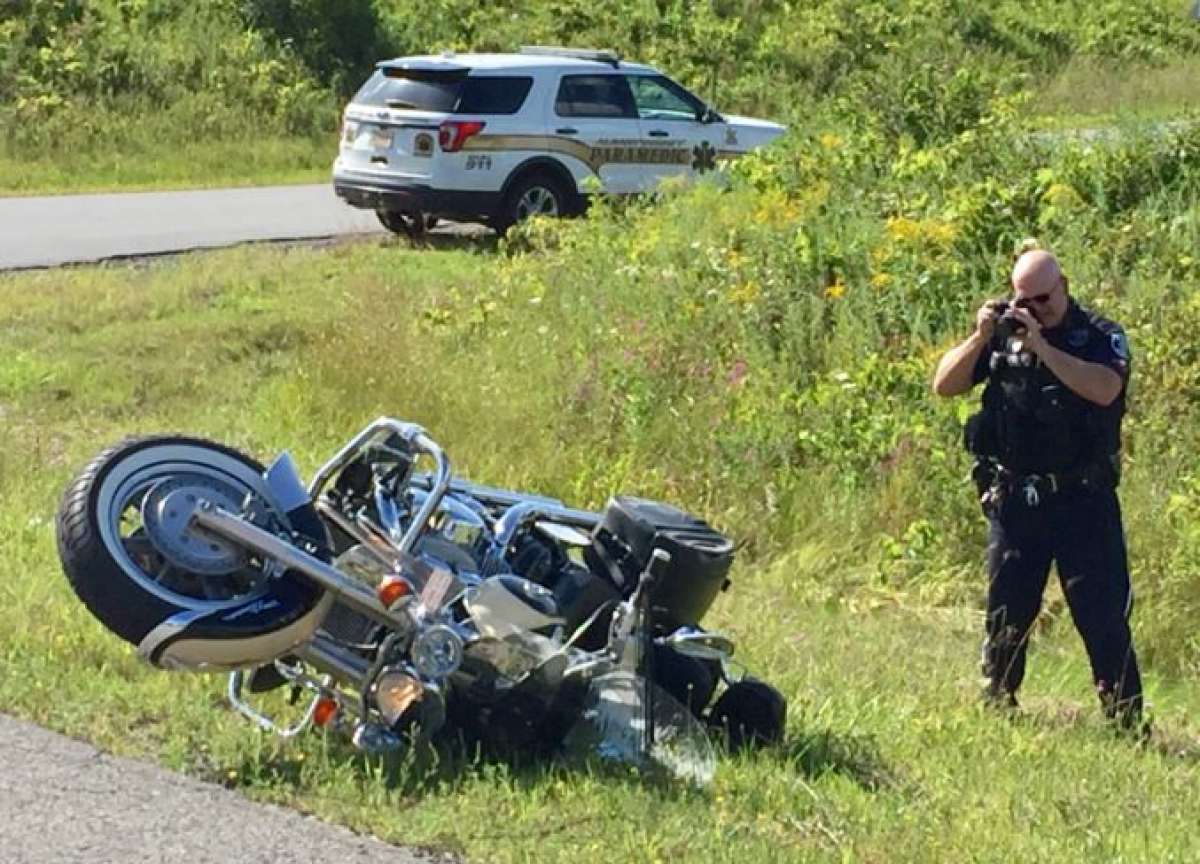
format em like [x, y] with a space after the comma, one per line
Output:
[888, 755]
[170, 165]
[1087, 93]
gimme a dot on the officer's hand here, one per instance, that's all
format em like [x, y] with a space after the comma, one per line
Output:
[1032, 337]
[985, 319]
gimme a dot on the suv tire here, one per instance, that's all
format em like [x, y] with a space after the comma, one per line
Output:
[534, 194]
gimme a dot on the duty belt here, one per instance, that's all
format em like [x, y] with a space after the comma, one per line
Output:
[996, 483]
[1037, 487]
[1034, 487]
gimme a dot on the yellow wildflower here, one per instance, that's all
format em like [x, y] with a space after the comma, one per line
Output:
[830, 141]
[1062, 195]
[747, 292]
[903, 228]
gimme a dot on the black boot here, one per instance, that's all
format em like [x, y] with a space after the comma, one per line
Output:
[997, 697]
[1124, 713]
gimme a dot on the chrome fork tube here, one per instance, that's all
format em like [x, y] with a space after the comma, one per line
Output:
[350, 591]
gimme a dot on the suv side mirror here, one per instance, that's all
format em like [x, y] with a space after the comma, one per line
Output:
[708, 115]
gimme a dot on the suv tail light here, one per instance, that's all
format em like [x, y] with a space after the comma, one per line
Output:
[452, 134]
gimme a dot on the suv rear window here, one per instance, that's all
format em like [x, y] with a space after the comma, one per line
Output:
[404, 89]
[594, 96]
[493, 95]
[440, 91]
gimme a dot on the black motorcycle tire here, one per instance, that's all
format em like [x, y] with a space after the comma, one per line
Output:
[99, 579]
[749, 714]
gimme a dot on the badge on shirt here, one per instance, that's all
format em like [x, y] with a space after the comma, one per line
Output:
[1077, 338]
[1120, 346]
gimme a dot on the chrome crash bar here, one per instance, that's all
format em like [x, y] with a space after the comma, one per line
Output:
[416, 438]
[520, 515]
[327, 657]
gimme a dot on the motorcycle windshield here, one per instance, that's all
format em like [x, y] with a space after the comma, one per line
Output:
[630, 720]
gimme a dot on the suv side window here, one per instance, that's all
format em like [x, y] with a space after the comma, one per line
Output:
[594, 96]
[493, 95]
[660, 98]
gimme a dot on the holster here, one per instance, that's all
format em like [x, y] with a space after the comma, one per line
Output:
[985, 474]
[979, 435]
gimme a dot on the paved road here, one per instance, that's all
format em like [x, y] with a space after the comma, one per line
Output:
[63, 802]
[64, 229]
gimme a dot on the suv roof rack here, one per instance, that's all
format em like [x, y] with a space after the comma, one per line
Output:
[610, 57]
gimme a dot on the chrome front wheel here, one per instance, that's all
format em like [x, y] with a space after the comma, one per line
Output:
[127, 547]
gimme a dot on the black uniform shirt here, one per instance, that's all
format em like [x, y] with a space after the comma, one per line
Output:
[1083, 334]
[1074, 429]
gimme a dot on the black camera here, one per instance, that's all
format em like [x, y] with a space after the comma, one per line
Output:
[1006, 352]
[1007, 323]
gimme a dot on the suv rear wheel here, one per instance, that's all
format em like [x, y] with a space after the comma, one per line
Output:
[533, 195]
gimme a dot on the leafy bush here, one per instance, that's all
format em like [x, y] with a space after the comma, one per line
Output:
[339, 41]
[78, 77]
[91, 73]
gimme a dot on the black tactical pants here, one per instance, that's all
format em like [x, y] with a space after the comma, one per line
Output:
[1081, 532]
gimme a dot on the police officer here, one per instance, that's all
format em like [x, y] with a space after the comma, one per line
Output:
[1047, 450]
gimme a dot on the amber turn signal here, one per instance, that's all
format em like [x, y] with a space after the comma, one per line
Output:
[325, 711]
[391, 590]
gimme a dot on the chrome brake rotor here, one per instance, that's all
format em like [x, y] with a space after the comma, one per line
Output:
[166, 515]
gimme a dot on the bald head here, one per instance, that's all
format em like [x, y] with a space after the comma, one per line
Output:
[1036, 272]
[1037, 279]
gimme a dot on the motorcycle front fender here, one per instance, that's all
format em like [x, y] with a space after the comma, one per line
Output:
[259, 631]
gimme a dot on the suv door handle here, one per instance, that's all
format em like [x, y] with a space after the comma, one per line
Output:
[567, 130]
[658, 133]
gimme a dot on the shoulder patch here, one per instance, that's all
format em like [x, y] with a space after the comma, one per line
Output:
[1120, 345]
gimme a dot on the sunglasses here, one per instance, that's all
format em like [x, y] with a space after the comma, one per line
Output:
[1036, 298]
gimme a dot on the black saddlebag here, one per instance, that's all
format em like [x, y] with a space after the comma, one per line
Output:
[632, 528]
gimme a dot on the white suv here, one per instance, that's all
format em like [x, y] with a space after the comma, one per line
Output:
[495, 138]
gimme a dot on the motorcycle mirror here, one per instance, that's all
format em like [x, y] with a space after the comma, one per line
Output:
[284, 484]
[692, 642]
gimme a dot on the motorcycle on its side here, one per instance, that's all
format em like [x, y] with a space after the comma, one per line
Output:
[411, 604]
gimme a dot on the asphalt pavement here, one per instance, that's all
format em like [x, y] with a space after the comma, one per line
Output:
[48, 231]
[64, 802]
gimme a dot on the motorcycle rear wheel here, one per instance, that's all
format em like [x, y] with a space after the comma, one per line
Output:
[107, 554]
